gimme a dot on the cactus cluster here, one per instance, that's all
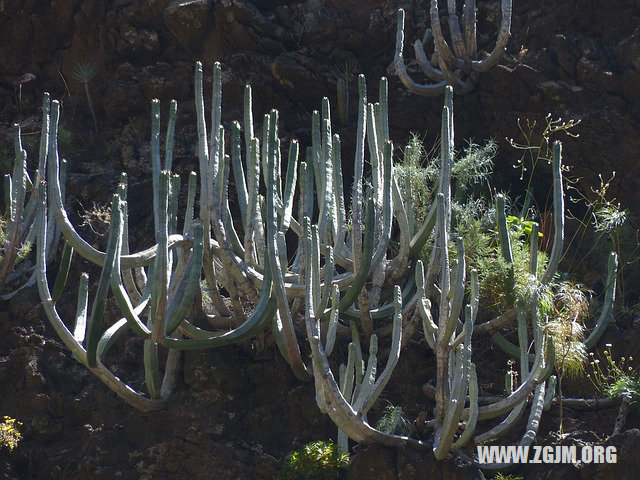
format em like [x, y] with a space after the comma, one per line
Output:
[455, 65]
[283, 260]
[21, 201]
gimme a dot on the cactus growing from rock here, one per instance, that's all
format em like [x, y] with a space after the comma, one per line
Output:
[276, 267]
[454, 65]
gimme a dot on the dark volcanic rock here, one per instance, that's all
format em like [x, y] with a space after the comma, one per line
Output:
[187, 20]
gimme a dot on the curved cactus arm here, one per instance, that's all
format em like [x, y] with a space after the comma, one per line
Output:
[520, 351]
[368, 398]
[337, 407]
[470, 426]
[151, 370]
[82, 247]
[607, 309]
[429, 328]
[124, 303]
[426, 90]
[539, 371]
[420, 238]
[533, 423]
[558, 215]
[238, 172]
[63, 272]
[367, 382]
[501, 43]
[179, 306]
[397, 267]
[261, 316]
[111, 336]
[425, 65]
[227, 217]
[495, 324]
[124, 391]
[504, 426]
[97, 309]
[286, 330]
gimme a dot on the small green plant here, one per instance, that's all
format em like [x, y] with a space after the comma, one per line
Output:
[10, 434]
[615, 378]
[83, 72]
[315, 461]
[23, 251]
[394, 422]
[504, 476]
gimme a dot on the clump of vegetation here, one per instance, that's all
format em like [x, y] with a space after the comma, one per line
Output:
[24, 250]
[315, 461]
[394, 422]
[83, 72]
[615, 378]
[504, 476]
[10, 434]
[97, 218]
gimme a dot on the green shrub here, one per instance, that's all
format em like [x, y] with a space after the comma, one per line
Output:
[315, 461]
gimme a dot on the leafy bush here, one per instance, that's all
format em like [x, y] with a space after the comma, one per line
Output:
[315, 461]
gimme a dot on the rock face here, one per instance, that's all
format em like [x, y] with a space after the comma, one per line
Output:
[187, 20]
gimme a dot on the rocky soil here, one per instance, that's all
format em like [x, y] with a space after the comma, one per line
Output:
[238, 411]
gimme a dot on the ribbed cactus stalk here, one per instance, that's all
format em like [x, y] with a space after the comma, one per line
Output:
[454, 65]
